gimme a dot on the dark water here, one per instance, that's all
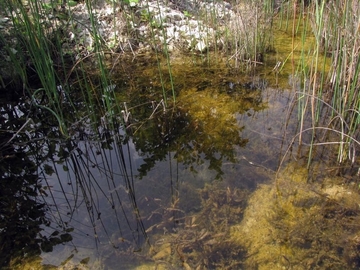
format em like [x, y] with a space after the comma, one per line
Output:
[165, 191]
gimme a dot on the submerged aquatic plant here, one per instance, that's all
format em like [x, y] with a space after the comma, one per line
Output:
[202, 240]
[301, 224]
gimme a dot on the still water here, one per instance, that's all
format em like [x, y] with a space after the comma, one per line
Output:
[178, 187]
[117, 196]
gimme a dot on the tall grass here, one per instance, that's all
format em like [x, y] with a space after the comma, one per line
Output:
[41, 28]
[250, 33]
[336, 26]
[33, 34]
[329, 71]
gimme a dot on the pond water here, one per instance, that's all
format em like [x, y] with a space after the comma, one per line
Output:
[121, 194]
[179, 187]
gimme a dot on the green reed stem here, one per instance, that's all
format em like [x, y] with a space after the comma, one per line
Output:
[34, 37]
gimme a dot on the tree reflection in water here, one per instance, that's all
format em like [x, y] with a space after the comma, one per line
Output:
[23, 214]
[83, 188]
[47, 182]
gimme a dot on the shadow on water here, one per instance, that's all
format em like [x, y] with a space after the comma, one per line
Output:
[164, 190]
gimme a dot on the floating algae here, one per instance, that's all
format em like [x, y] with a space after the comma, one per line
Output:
[292, 224]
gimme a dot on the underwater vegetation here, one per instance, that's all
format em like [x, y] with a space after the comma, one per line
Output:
[115, 152]
[201, 240]
[297, 223]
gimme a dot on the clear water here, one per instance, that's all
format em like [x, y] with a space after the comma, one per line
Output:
[171, 190]
[121, 198]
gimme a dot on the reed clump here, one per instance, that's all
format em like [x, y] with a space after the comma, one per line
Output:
[250, 34]
[336, 25]
[328, 95]
[54, 68]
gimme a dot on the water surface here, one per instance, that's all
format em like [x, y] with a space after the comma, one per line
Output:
[165, 190]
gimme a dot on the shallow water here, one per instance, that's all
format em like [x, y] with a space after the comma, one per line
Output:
[150, 184]
[111, 196]
[167, 191]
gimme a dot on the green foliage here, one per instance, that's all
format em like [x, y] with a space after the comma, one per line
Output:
[145, 15]
[131, 3]
[72, 3]
[33, 36]
[187, 14]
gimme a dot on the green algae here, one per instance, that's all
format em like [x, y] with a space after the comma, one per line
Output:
[300, 225]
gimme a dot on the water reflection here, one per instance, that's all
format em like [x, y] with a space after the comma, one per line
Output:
[23, 213]
[104, 196]
[108, 194]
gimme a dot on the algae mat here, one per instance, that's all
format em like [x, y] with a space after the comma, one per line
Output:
[293, 224]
